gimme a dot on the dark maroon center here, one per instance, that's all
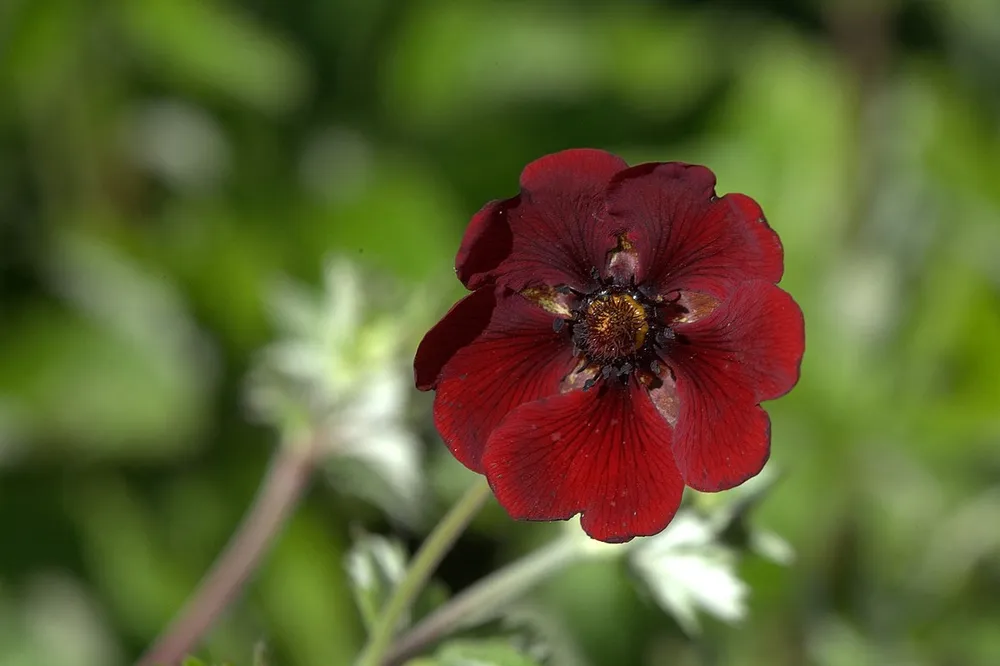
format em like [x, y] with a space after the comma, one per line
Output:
[618, 330]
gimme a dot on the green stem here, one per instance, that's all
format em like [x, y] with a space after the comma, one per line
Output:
[434, 548]
[487, 598]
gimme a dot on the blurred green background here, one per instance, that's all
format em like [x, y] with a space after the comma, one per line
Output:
[163, 162]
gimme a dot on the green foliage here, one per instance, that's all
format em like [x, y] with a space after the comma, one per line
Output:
[194, 661]
[492, 652]
[214, 49]
[375, 565]
[259, 659]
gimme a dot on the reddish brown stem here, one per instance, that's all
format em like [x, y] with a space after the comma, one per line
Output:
[287, 478]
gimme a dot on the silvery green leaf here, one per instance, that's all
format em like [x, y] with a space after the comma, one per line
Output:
[686, 571]
[315, 360]
[339, 369]
[375, 566]
[545, 635]
[379, 459]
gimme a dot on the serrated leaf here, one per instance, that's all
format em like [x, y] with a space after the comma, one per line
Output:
[340, 368]
[379, 458]
[375, 565]
[490, 652]
[686, 570]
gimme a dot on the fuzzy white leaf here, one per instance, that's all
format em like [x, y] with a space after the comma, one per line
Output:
[687, 571]
[340, 370]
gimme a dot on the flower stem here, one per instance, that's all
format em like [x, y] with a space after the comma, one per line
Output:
[423, 565]
[279, 494]
[485, 599]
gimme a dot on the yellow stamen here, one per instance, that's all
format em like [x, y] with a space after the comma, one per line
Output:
[616, 325]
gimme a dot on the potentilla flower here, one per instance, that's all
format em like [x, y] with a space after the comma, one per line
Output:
[623, 328]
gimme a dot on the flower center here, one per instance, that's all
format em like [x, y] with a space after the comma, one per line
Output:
[612, 328]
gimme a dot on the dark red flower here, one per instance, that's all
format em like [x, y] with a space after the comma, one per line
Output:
[623, 328]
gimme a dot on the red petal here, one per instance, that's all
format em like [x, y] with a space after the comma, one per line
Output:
[517, 358]
[552, 233]
[688, 238]
[466, 321]
[603, 452]
[748, 350]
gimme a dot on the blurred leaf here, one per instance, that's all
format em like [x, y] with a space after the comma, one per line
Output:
[195, 661]
[730, 516]
[588, 593]
[224, 257]
[960, 542]
[522, 51]
[40, 44]
[375, 565]
[215, 48]
[772, 547]
[396, 213]
[125, 366]
[785, 137]
[656, 59]
[181, 143]
[88, 391]
[973, 28]
[494, 652]
[55, 620]
[305, 593]
[260, 654]
[837, 643]
[142, 582]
